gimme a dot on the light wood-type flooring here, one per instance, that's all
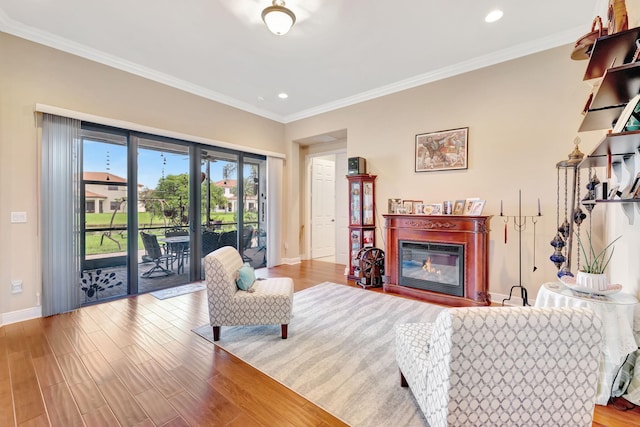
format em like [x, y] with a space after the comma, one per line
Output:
[135, 362]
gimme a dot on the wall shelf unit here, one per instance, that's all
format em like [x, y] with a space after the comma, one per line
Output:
[593, 202]
[618, 86]
[615, 73]
[618, 146]
[611, 51]
[610, 60]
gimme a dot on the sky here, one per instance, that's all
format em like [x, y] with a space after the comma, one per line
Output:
[102, 157]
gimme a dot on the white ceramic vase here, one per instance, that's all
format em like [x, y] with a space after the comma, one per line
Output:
[595, 282]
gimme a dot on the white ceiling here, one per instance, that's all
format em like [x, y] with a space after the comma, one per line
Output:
[338, 53]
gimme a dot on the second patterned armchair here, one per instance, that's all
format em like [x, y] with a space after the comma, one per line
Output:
[503, 366]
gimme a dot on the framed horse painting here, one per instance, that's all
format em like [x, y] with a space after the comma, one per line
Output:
[443, 150]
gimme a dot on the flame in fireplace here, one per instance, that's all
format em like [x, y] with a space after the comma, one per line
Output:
[428, 268]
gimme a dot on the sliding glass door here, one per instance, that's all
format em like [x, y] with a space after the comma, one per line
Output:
[163, 212]
[219, 172]
[254, 244]
[105, 199]
[154, 207]
[233, 198]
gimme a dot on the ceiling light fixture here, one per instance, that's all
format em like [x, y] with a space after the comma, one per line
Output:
[278, 18]
[493, 16]
[283, 95]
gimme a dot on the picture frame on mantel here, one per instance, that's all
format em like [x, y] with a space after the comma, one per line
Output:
[442, 150]
[458, 207]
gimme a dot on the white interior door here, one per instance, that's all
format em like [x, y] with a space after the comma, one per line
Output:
[323, 223]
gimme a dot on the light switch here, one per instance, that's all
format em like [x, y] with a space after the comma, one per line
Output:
[18, 217]
[16, 286]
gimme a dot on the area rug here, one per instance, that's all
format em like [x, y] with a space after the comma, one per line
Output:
[178, 290]
[340, 353]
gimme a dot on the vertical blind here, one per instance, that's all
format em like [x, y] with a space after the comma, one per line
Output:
[275, 182]
[60, 214]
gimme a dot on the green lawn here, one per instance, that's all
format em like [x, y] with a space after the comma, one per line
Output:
[95, 220]
[93, 245]
[98, 243]
[120, 219]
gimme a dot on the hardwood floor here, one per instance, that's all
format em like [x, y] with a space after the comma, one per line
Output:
[135, 362]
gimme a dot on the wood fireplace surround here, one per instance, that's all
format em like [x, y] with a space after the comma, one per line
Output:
[472, 232]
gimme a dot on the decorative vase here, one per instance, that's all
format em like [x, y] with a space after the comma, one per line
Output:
[596, 282]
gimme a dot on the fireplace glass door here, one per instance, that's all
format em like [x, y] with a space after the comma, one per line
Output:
[432, 266]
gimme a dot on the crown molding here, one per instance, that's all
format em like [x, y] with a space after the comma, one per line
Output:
[514, 52]
[18, 29]
[554, 40]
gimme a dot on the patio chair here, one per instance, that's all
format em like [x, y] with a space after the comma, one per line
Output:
[210, 242]
[247, 235]
[229, 238]
[154, 254]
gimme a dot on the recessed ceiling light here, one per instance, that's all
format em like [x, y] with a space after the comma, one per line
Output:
[493, 16]
[283, 95]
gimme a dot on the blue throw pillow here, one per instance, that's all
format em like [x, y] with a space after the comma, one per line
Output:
[246, 277]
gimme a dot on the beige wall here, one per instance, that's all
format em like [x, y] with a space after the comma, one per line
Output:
[32, 73]
[522, 116]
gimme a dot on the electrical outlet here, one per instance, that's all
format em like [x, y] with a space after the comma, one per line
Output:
[16, 286]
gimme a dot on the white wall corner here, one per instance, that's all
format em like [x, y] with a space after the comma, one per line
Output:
[20, 315]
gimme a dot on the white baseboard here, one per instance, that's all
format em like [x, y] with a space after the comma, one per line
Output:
[291, 261]
[20, 315]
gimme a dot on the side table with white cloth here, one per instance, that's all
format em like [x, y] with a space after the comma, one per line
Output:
[616, 312]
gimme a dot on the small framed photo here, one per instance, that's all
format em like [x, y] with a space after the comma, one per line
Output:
[418, 207]
[394, 204]
[447, 207]
[433, 208]
[613, 192]
[468, 204]
[408, 206]
[458, 207]
[476, 207]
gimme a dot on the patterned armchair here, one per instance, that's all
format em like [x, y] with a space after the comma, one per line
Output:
[269, 302]
[503, 366]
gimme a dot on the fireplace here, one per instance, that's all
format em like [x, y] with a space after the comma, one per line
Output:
[438, 258]
[432, 266]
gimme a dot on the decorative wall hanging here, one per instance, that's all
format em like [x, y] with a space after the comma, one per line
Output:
[443, 150]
